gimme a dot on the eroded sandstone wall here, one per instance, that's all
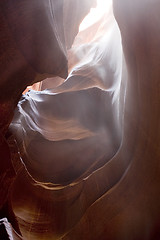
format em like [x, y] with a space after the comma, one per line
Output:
[118, 196]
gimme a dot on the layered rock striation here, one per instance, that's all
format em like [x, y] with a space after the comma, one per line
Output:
[86, 160]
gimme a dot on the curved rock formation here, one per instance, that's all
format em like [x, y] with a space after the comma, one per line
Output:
[130, 210]
[25, 58]
[100, 127]
[75, 126]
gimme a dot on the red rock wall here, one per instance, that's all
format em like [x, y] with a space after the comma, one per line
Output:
[117, 197]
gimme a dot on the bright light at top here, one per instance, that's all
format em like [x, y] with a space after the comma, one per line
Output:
[95, 13]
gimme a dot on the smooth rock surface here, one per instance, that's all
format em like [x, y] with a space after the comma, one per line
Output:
[88, 186]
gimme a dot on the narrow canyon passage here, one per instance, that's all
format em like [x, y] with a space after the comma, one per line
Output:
[82, 149]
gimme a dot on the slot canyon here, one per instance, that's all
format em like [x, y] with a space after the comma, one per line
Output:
[80, 120]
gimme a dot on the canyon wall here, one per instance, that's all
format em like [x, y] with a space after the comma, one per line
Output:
[80, 160]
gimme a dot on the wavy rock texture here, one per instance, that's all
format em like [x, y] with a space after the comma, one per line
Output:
[7, 232]
[81, 116]
[32, 47]
[130, 210]
[90, 145]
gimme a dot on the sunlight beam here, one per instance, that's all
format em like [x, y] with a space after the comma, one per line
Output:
[95, 13]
